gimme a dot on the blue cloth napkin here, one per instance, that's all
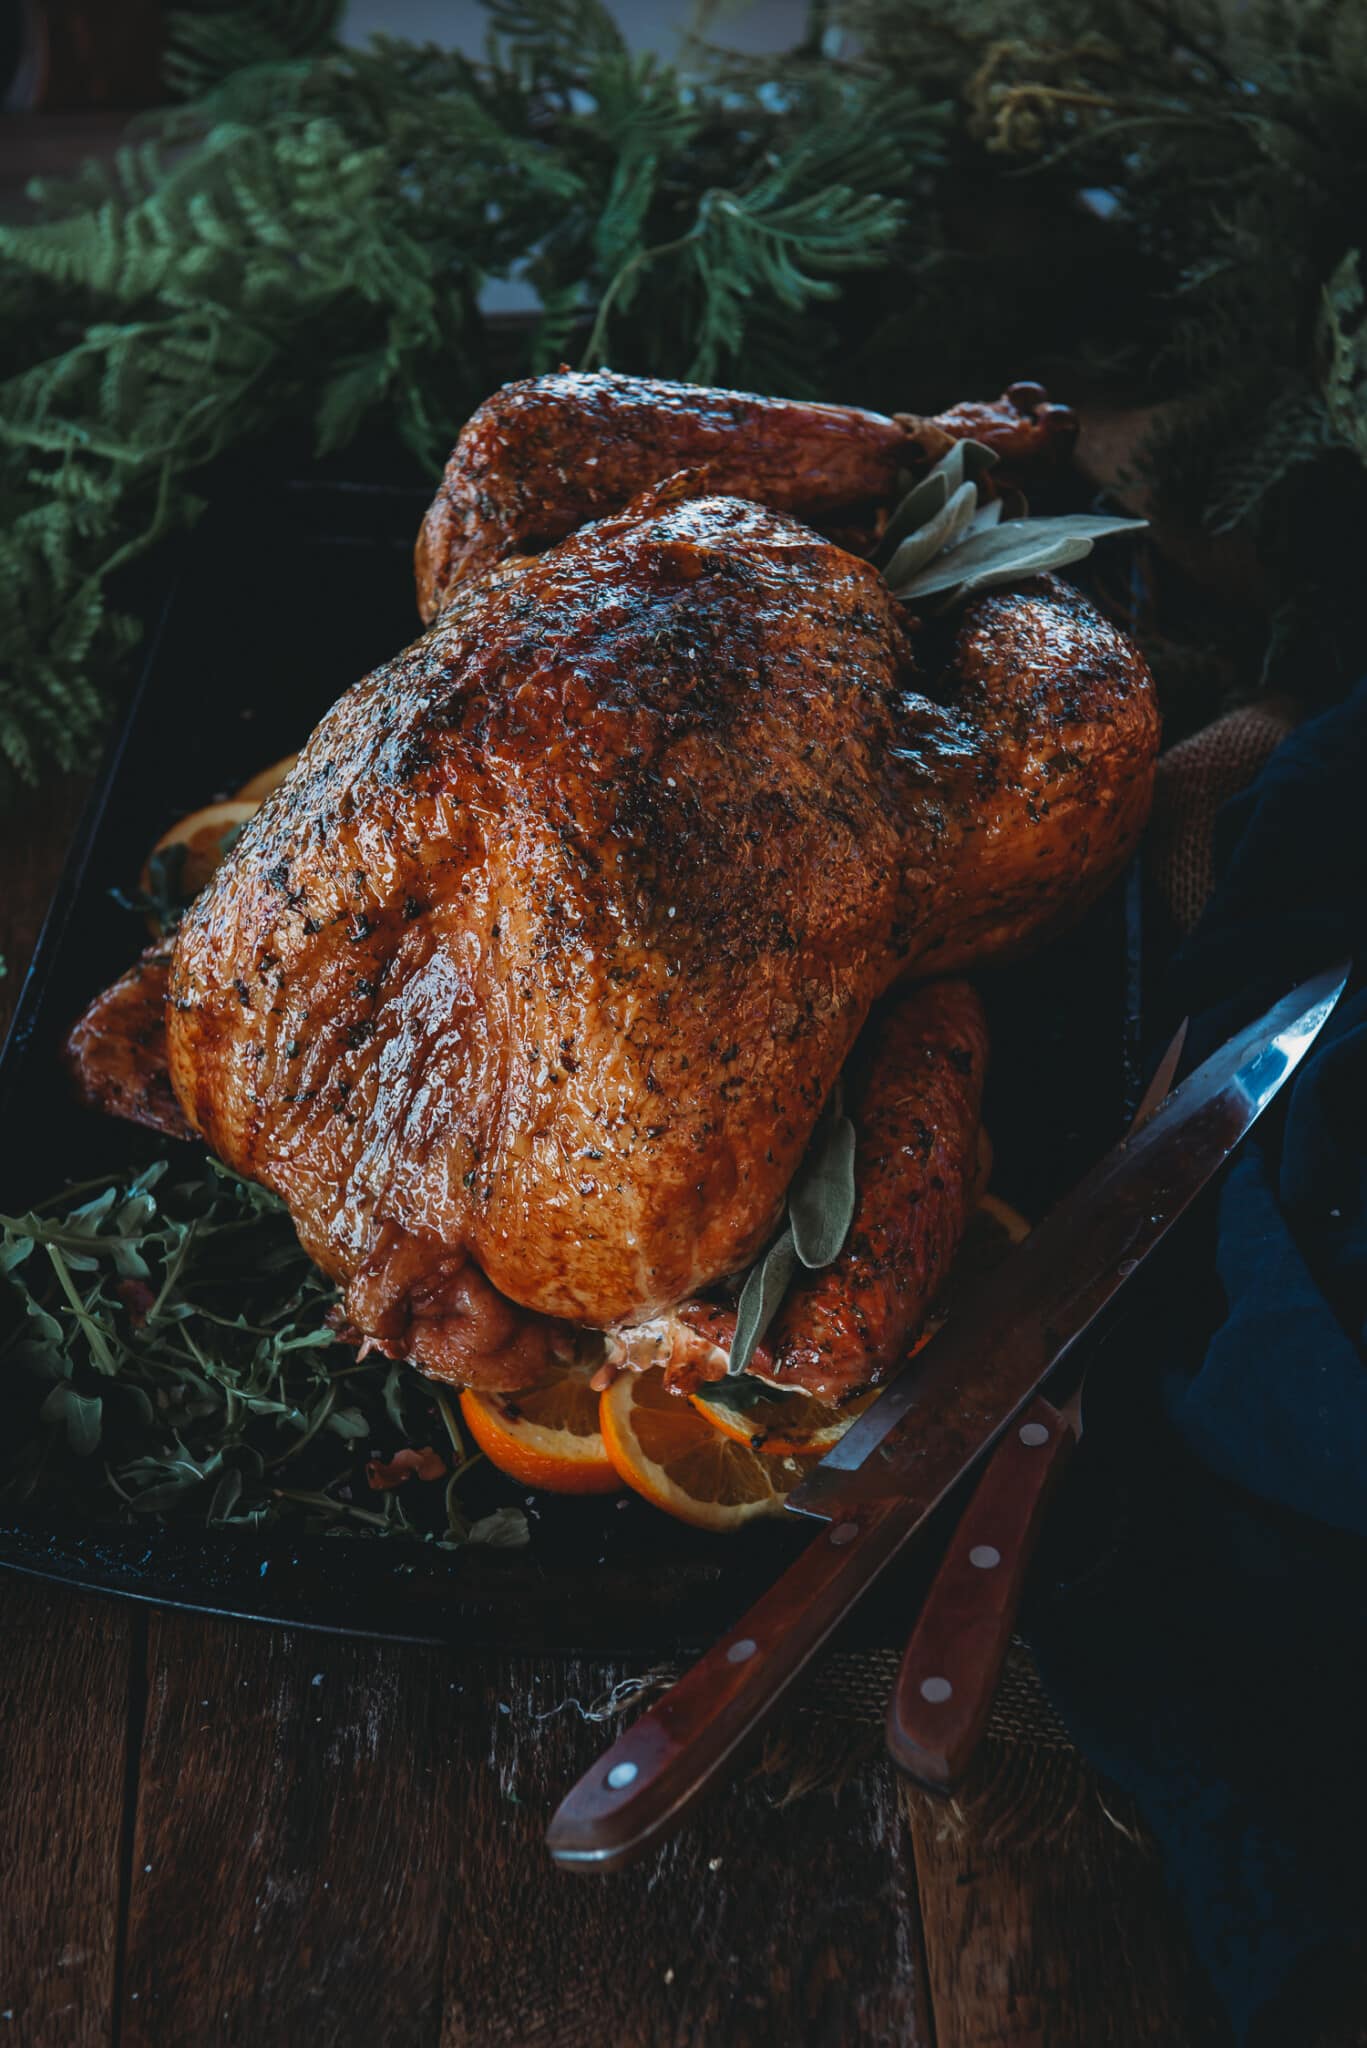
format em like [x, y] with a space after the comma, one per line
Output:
[1199, 1611]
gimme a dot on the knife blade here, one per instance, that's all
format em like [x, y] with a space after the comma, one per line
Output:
[988, 1362]
[942, 1697]
[881, 1481]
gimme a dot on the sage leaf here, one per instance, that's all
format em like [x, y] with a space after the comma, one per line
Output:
[941, 543]
[821, 1200]
[738, 1394]
[950, 523]
[1016, 547]
[965, 462]
[820, 1210]
[765, 1286]
[968, 461]
[1013, 567]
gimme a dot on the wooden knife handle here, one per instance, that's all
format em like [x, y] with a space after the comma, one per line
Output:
[641, 1788]
[943, 1696]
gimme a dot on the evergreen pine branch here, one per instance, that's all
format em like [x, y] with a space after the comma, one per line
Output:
[1168, 193]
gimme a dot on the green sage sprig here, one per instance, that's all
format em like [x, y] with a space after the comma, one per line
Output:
[820, 1211]
[945, 544]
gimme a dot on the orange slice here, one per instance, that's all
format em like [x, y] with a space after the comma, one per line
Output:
[800, 1426]
[202, 835]
[547, 1435]
[781, 1425]
[205, 836]
[674, 1458]
[1008, 1220]
[260, 786]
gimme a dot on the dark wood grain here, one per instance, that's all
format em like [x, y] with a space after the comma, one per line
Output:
[64, 1693]
[760, 1923]
[297, 1839]
[1069, 1944]
[343, 1841]
[359, 1860]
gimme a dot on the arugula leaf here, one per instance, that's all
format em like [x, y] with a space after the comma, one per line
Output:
[170, 1350]
[79, 1413]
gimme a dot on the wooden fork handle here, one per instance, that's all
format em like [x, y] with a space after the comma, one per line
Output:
[943, 1696]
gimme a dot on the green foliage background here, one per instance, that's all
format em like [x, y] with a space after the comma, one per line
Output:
[1151, 206]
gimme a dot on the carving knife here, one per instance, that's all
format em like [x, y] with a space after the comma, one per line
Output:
[930, 1425]
[948, 1675]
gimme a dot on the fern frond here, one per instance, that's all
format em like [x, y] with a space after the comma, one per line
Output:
[202, 50]
[1299, 429]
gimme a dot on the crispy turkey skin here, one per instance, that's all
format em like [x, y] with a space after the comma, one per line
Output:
[526, 988]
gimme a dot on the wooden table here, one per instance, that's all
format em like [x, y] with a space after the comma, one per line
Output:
[220, 1833]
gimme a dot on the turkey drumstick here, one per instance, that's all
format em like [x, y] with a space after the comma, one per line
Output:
[544, 456]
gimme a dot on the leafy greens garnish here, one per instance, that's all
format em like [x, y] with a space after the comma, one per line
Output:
[942, 543]
[180, 1363]
[820, 1211]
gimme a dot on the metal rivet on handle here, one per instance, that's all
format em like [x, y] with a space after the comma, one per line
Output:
[738, 1652]
[984, 1556]
[1033, 1434]
[845, 1532]
[935, 1690]
[620, 1775]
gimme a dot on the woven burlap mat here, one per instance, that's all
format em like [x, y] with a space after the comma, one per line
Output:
[1026, 1785]
[1195, 780]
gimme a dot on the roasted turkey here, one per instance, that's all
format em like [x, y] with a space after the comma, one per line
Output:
[526, 989]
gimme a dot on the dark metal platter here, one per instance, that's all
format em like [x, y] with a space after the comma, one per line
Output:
[277, 604]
